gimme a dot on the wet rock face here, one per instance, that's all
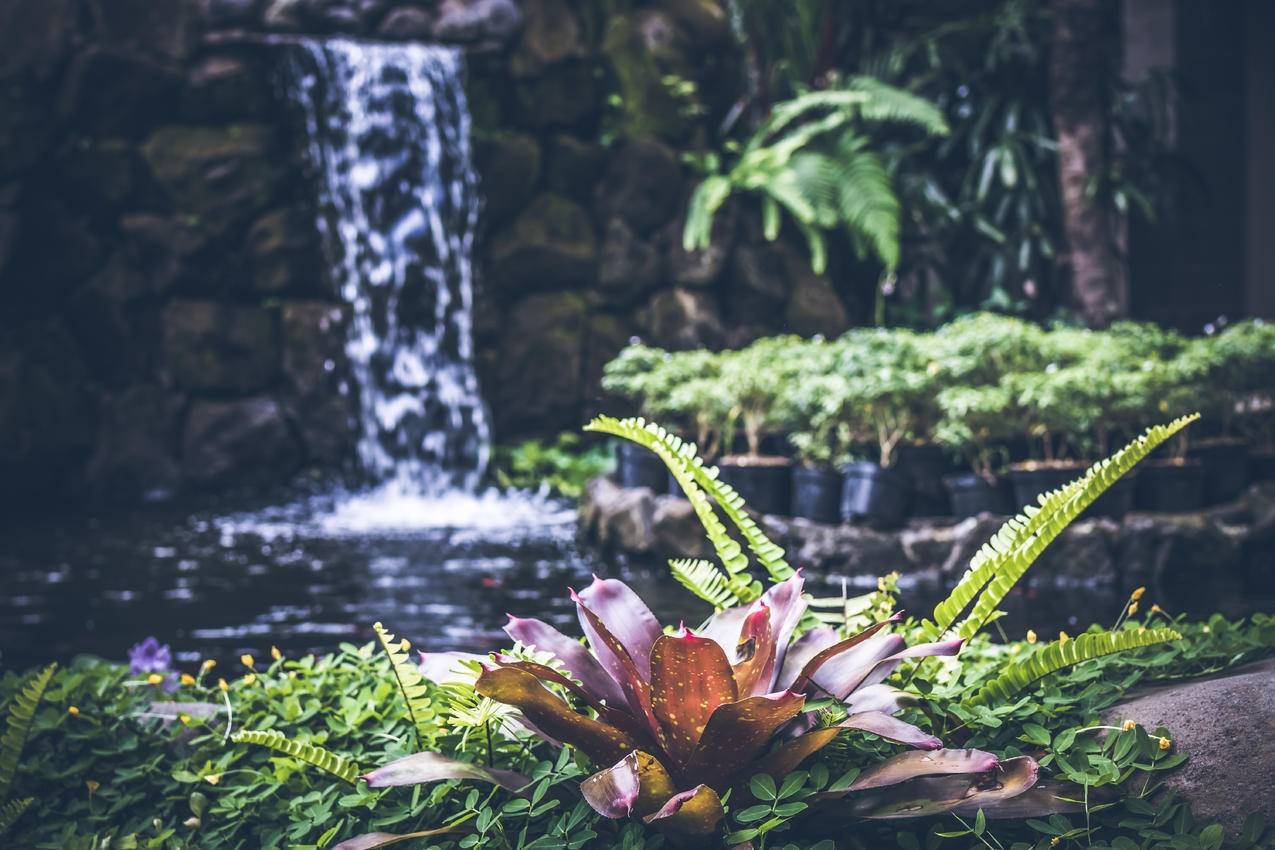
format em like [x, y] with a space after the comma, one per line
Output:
[215, 347]
[471, 21]
[242, 442]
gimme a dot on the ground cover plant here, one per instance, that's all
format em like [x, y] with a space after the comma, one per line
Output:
[903, 741]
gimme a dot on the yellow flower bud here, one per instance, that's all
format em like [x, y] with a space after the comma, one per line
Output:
[208, 664]
[184, 718]
[72, 710]
[212, 778]
[1165, 743]
[406, 645]
[246, 660]
[155, 679]
[1137, 594]
[1127, 725]
[1053, 842]
[249, 679]
[275, 653]
[292, 674]
[187, 679]
[1133, 608]
[1031, 636]
[223, 684]
[1063, 637]
[92, 785]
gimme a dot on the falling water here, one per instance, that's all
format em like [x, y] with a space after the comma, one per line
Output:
[388, 130]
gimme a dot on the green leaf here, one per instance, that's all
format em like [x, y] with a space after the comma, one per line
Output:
[311, 754]
[411, 683]
[18, 727]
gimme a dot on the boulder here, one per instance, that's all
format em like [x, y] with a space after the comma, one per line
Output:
[406, 23]
[1224, 724]
[814, 307]
[617, 519]
[100, 172]
[168, 30]
[508, 166]
[551, 33]
[136, 452]
[643, 185]
[110, 327]
[676, 531]
[844, 549]
[706, 20]
[9, 229]
[681, 319]
[540, 366]
[762, 268]
[28, 126]
[283, 252]
[34, 36]
[629, 267]
[225, 88]
[316, 378]
[246, 441]
[47, 406]
[477, 21]
[550, 245]
[231, 13]
[701, 267]
[607, 335]
[162, 247]
[283, 15]
[644, 48]
[564, 96]
[1181, 558]
[216, 347]
[222, 174]
[58, 251]
[117, 91]
[573, 166]
[336, 16]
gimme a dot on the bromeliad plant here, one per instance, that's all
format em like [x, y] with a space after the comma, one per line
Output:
[681, 724]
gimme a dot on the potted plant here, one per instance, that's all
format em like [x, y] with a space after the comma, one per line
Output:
[633, 375]
[1244, 360]
[975, 425]
[1221, 370]
[820, 443]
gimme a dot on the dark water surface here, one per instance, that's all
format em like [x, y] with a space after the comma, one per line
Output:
[319, 570]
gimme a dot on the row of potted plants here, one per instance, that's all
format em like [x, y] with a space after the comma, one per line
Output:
[980, 415]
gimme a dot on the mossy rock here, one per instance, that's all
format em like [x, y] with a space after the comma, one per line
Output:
[221, 174]
[550, 245]
[644, 49]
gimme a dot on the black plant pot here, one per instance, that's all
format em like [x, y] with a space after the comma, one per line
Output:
[1225, 469]
[874, 495]
[1261, 466]
[924, 465]
[816, 494]
[638, 467]
[1117, 500]
[1167, 487]
[765, 487]
[1031, 482]
[971, 495]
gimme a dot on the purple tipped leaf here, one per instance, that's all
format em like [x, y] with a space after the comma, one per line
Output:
[843, 674]
[754, 656]
[992, 792]
[736, 733]
[615, 657]
[575, 657]
[611, 716]
[626, 617]
[803, 649]
[886, 666]
[373, 840]
[690, 678]
[421, 768]
[597, 740]
[725, 626]
[694, 812]
[446, 668]
[635, 785]
[892, 729]
[910, 765]
[1049, 797]
[841, 647]
[883, 698]
[786, 608]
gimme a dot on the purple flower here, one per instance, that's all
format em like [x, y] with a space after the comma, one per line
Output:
[151, 656]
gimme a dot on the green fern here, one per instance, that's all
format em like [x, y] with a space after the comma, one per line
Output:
[21, 715]
[1003, 560]
[412, 684]
[11, 811]
[1065, 653]
[700, 483]
[706, 581]
[311, 754]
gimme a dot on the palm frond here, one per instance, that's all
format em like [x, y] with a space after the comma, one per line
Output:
[411, 683]
[1002, 561]
[1066, 653]
[311, 754]
[18, 727]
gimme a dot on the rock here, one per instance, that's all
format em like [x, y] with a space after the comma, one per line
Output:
[701, 267]
[161, 247]
[761, 267]
[617, 519]
[1180, 558]
[607, 335]
[551, 33]
[573, 166]
[283, 15]
[338, 16]
[681, 319]
[314, 371]
[115, 91]
[168, 30]
[508, 166]
[629, 267]
[109, 326]
[34, 36]
[676, 531]
[643, 185]
[706, 20]
[540, 363]
[214, 347]
[550, 245]
[283, 252]
[47, 409]
[246, 441]
[225, 88]
[470, 21]
[645, 48]
[565, 96]
[58, 250]
[814, 307]
[222, 174]
[136, 452]
[100, 172]
[231, 13]
[406, 23]
[27, 126]
[844, 549]
[929, 545]
[1224, 724]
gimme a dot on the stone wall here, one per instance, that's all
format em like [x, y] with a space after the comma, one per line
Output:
[166, 323]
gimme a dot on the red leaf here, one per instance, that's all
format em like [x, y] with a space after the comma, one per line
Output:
[612, 716]
[636, 784]
[785, 758]
[786, 608]
[626, 616]
[575, 657]
[373, 840]
[690, 678]
[825, 655]
[736, 733]
[615, 657]
[518, 688]
[754, 656]
[693, 812]
[994, 792]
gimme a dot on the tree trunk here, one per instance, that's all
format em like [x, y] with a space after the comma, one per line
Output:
[1082, 61]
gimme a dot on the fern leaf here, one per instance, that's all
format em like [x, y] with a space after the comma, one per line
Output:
[692, 474]
[411, 683]
[1066, 653]
[21, 715]
[1001, 562]
[709, 583]
[311, 754]
[11, 811]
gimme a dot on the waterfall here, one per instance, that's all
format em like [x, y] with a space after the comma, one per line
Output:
[388, 139]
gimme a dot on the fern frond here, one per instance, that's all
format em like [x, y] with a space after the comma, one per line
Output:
[11, 811]
[311, 754]
[18, 727]
[705, 580]
[411, 683]
[692, 474]
[1003, 560]
[1065, 653]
